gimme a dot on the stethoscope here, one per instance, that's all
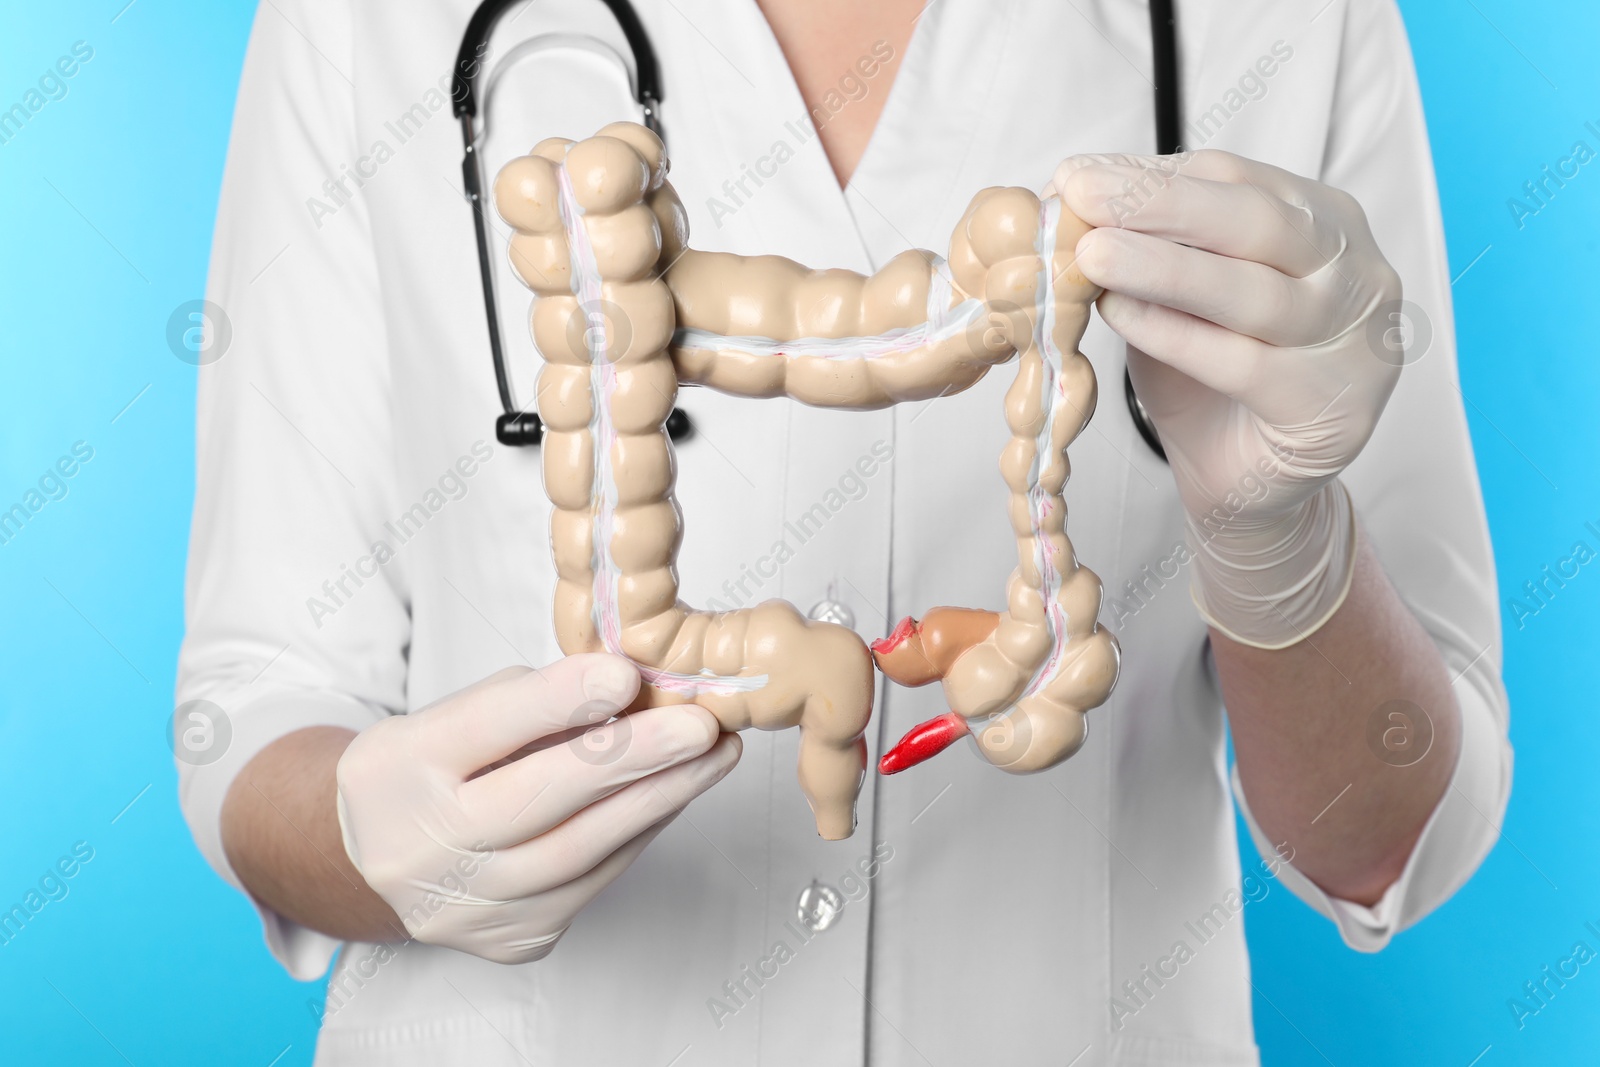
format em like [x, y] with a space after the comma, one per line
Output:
[519, 426]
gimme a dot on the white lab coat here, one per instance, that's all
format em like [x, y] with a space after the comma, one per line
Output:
[1006, 917]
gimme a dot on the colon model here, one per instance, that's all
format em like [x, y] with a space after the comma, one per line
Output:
[625, 313]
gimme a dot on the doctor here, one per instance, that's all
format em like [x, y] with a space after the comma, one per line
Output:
[369, 584]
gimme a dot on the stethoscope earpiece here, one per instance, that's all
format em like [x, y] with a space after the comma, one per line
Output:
[521, 429]
[679, 427]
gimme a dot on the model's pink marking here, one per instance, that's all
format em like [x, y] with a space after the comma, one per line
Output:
[902, 633]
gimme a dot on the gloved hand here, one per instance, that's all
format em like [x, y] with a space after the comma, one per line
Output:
[1265, 337]
[499, 863]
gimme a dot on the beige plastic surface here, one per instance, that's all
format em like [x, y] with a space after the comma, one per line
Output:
[624, 313]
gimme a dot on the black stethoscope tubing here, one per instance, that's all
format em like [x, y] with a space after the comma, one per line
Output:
[1169, 141]
[516, 426]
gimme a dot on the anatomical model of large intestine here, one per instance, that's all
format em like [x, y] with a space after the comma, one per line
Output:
[626, 312]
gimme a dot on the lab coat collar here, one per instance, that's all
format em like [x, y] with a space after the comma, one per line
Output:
[925, 109]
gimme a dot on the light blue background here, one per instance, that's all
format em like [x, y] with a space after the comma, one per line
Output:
[109, 195]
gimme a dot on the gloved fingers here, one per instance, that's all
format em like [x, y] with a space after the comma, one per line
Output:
[1169, 395]
[501, 714]
[1212, 355]
[528, 928]
[527, 797]
[1247, 298]
[1072, 164]
[1220, 166]
[1337, 213]
[579, 844]
[1243, 221]
[1211, 164]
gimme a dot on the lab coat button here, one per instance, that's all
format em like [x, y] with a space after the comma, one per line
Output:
[819, 906]
[835, 612]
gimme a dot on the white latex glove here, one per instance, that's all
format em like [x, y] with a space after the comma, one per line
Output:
[1265, 335]
[498, 864]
